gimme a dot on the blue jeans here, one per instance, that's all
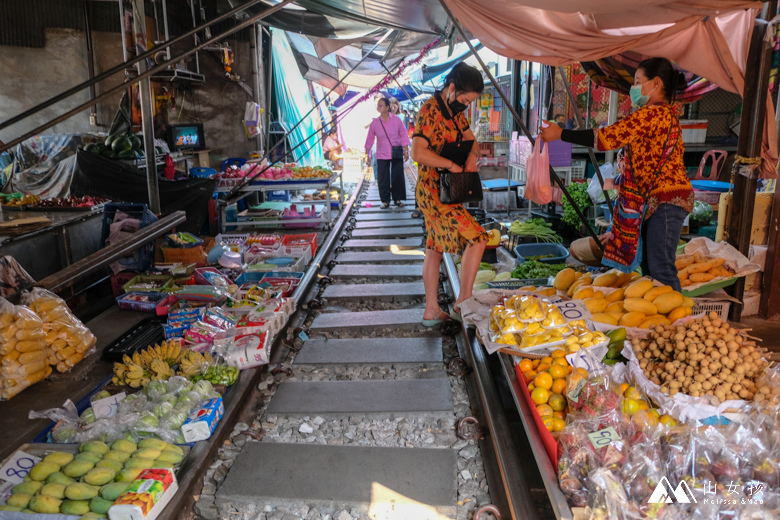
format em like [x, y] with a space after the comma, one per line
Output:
[660, 237]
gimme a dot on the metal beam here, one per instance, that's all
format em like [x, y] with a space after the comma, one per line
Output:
[99, 260]
[519, 121]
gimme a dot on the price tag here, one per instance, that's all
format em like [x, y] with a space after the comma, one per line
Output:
[107, 407]
[603, 437]
[303, 336]
[573, 310]
[574, 395]
[5, 491]
[580, 360]
[18, 467]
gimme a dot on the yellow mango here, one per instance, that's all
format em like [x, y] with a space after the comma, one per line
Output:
[595, 305]
[679, 312]
[617, 315]
[640, 305]
[655, 292]
[654, 321]
[638, 289]
[582, 293]
[605, 280]
[688, 302]
[622, 278]
[604, 318]
[632, 319]
[667, 302]
[547, 292]
[564, 279]
[585, 280]
[615, 307]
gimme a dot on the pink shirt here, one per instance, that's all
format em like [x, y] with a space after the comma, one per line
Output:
[395, 130]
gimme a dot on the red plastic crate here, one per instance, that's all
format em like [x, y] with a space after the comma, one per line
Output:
[300, 240]
[550, 444]
[120, 279]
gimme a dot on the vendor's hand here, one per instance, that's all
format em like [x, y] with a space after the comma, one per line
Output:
[471, 163]
[406, 155]
[604, 238]
[550, 133]
[455, 168]
[609, 184]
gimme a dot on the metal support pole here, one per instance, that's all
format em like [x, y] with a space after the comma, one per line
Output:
[256, 81]
[90, 61]
[609, 156]
[567, 88]
[269, 90]
[400, 86]
[519, 121]
[147, 114]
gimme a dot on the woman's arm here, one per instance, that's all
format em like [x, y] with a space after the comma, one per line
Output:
[424, 156]
[471, 162]
[370, 138]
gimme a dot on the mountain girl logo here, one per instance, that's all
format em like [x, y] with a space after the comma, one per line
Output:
[664, 493]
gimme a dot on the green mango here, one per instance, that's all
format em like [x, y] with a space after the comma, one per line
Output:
[29, 488]
[59, 458]
[58, 477]
[129, 474]
[99, 476]
[42, 470]
[117, 455]
[89, 456]
[101, 448]
[77, 468]
[54, 490]
[10, 508]
[74, 507]
[124, 445]
[44, 504]
[81, 491]
[19, 500]
[108, 463]
[114, 490]
[100, 505]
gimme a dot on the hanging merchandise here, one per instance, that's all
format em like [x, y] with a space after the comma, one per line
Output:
[252, 119]
[538, 188]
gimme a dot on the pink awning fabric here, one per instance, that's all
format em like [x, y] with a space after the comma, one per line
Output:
[708, 38]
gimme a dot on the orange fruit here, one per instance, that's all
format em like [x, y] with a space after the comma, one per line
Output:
[543, 367]
[569, 370]
[558, 386]
[558, 353]
[558, 424]
[529, 376]
[643, 405]
[630, 406]
[582, 372]
[633, 393]
[557, 371]
[557, 402]
[547, 359]
[559, 415]
[544, 409]
[540, 396]
[667, 420]
[543, 380]
[536, 362]
[548, 422]
[623, 388]
[531, 387]
[526, 365]
[560, 361]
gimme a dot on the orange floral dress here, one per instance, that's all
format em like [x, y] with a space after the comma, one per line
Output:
[644, 132]
[450, 227]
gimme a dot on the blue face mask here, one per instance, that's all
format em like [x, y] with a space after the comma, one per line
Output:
[637, 97]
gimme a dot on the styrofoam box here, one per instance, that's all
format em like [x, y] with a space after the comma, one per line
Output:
[694, 130]
[496, 200]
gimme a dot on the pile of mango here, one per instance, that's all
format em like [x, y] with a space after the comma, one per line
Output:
[625, 299]
[88, 483]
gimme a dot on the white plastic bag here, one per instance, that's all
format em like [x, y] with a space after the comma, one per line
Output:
[594, 186]
[537, 186]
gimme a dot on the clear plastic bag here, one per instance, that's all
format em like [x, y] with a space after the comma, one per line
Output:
[23, 358]
[607, 499]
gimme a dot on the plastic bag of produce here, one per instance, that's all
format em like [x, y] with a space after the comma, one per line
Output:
[23, 359]
[607, 499]
[538, 188]
[67, 340]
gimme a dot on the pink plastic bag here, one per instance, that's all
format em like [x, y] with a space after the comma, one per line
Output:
[537, 185]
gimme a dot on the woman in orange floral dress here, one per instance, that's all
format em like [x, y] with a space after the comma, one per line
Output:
[655, 175]
[451, 229]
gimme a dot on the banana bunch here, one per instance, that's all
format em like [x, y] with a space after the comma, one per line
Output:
[152, 363]
[193, 362]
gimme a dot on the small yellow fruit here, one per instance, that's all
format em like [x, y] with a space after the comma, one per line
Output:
[544, 409]
[540, 395]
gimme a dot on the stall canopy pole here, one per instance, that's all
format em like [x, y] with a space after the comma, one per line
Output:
[400, 86]
[247, 180]
[154, 70]
[581, 122]
[519, 121]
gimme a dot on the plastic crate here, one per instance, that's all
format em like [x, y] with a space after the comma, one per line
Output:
[523, 251]
[166, 280]
[278, 196]
[194, 255]
[693, 130]
[119, 279]
[298, 264]
[721, 307]
[144, 256]
[708, 231]
[515, 240]
[578, 169]
[127, 303]
[606, 213]
[559, 153]
[301, 240]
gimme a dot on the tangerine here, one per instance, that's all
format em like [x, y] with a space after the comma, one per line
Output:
[557, 402]
[667, 420]
[560, 361]
[531, 387]
[559, 415]
[548, 422]
[557, 371]
[544, 409]
[540, 396]
[536, 362]
[623, 388]
[543, 367]
[558, 424]
[630, 406]
[558, 353]
[529, 376]
[543, 380]
[526, 365]
[569, 370]
[547, 359]
[558, 386]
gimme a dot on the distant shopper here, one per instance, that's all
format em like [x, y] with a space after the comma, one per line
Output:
[389, 132]
[560, 120]
[451, 229]
[332, 148]
[395, 109]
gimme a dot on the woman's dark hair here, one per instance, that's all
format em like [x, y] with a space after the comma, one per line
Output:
[384, 100]
[672, 79]
[465, 78]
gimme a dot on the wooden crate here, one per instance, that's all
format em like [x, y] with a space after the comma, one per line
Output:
[762, 213]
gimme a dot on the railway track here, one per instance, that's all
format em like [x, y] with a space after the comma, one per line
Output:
[367, 414]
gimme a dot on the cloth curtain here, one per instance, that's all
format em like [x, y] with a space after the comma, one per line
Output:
[294, 100]
[709, 39]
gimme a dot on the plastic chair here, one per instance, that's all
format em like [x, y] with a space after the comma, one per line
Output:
[718, 156]
[202, 173]
[233, 161]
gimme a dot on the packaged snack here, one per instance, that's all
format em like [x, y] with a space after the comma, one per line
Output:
[200, 332]
[203, 420]
[245, 350]
[146, 497]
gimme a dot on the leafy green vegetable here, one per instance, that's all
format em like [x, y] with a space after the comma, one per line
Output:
[578, 192]
[537, 228]
[702, 213]
[535, 269]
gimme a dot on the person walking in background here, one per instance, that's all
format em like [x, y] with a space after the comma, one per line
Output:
[332, 149]
[392, 142]
[451, 229]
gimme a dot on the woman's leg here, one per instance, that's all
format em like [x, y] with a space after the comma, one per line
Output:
[663, 236]
[469, 266]
[431, 266]
[383, 180]
[397, 181]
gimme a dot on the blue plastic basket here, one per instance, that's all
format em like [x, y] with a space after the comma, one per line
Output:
[278, 196]
[606, 212]
[144, 256]
[523, 251]
[202, 173]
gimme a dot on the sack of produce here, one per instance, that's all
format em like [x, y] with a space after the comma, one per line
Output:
[23, 360]
[66, 338]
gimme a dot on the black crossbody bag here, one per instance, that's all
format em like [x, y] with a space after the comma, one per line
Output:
[458, 188]
[396, 152]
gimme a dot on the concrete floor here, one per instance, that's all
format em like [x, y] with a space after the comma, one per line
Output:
[767, 330]
[17, 428]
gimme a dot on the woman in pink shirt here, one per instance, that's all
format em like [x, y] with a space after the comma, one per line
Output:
[390, 133]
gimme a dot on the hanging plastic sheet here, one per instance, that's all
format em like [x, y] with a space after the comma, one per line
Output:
[294, 99]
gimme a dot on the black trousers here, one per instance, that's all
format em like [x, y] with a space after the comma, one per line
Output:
[390, 177]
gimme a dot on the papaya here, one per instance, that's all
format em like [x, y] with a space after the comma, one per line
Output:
[632, 319]
[638, 288]
[655, 292]
[101, 448]
[29, 488]
[113, 490]
[123, 445]
[42, 470]
[99, 476]
[100, 505]
[640, 305]
[75, 507]
[44, 504]
[81, 491]
[59, 458]
[667, 302]
[54, 490]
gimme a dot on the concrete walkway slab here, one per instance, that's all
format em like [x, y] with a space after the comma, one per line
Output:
[383, 244]
[388, 232]
[402, 483]
[431, 397]
[370, 224]
[386, 351]
[353, 320]
[375, 291]
[372, 257]
[375, 271]
[386, 215]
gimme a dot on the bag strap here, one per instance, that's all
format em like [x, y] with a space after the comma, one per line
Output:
[385, 129]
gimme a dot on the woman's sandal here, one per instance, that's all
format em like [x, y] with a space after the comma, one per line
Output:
[416, 214]
[385, 205]
[435, 323]
[399, 204]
